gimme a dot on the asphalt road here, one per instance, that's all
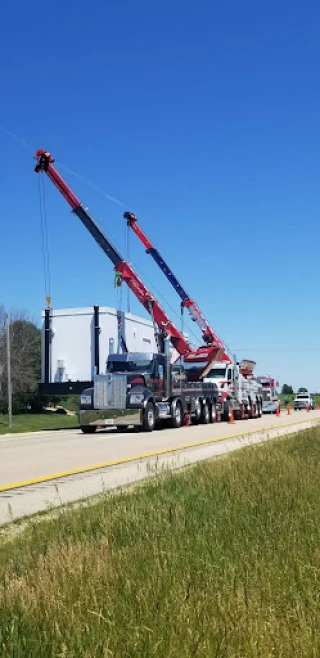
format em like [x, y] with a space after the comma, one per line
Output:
[29, 457]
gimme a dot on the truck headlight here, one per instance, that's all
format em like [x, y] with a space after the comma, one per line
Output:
[85, 399]
[136, 398]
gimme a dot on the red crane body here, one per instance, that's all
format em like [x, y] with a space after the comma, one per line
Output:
[206, 354]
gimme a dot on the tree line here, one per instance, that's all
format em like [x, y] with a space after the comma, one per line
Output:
[25, 348]
[288, 390]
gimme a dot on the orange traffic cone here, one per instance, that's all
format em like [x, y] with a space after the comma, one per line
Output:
[278, 411]
[231, 416]
[186, 420]
[289, 410]
[308, 408]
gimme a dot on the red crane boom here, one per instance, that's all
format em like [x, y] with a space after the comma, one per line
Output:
[208, 335]
[206, 354]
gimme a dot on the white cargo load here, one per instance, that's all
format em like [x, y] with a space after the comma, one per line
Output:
[72, 341]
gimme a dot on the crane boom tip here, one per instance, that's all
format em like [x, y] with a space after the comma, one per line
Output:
[44, 159]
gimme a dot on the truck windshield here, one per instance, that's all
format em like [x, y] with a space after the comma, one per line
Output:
[130, 366]
[217, 373]
[266, 395]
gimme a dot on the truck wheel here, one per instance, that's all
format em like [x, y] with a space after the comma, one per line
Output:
[176, 419]
[88, 429]
[197, 412]
[205, 414]
[259, 410]
[149, 418]
[226, 412]
[213, 414]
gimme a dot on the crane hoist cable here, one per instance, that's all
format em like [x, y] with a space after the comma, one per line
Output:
[127, 255]
[44, 239]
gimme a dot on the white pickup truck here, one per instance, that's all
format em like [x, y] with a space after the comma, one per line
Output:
[302, 401]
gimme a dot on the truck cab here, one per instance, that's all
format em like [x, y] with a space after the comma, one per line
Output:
[142, 371]
[237, 392]
[121, 395]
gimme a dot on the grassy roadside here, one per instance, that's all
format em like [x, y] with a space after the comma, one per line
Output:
[221, 560]
[37, 422]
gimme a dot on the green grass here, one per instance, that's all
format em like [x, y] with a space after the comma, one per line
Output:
[71, 402]
[219, 561]
[37, 422]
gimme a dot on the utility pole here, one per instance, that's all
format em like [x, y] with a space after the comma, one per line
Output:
[9, 372]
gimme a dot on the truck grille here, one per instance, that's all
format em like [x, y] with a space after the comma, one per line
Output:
[110, 391]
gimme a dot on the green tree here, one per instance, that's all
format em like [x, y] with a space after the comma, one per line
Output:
[287, 390]
[25, 339]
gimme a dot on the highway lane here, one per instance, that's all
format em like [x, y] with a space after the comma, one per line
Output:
[29, 456]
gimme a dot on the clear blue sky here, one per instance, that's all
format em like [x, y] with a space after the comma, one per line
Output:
[203, 119]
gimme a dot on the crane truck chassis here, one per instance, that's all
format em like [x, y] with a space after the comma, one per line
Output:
[144, 389]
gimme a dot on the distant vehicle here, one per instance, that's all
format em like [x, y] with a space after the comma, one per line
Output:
[271, 406]
[270, 400]
[303, 400]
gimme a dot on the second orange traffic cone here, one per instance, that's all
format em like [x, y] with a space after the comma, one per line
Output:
[289, 410]
[278, 410]
[231, 416]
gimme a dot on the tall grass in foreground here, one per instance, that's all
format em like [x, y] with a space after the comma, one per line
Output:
[220, 560]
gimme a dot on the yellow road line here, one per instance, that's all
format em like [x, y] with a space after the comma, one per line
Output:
[148, 455]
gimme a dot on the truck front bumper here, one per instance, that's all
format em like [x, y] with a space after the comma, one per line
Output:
[110, 417]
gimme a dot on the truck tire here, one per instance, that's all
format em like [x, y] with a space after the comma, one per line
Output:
[197, 412]
[176, 420]
[88, 429]
[149, 418]
[205, 414]
[213, 414]
[259, 410]
[226, 412]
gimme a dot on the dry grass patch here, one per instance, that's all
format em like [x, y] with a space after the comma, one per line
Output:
[221, 560]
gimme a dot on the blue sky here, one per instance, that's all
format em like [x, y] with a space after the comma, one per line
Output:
[203, 119]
